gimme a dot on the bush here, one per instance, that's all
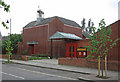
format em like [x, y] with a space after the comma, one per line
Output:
[36, 58]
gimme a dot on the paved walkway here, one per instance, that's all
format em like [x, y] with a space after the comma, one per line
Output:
[88, 73]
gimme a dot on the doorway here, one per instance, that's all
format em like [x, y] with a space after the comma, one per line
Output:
[71, 50]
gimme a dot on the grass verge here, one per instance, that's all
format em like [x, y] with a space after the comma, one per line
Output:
[7, 61]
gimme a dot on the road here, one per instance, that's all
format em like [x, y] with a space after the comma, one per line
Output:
[23, 72]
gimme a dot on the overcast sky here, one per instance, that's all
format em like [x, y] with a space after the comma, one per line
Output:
[24, 11]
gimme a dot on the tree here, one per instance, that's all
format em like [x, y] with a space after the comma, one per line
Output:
[6, 9]
[8, 43]
[14, 38]
[87, 29]
[8, 48]
[100, 40]
[83, 23]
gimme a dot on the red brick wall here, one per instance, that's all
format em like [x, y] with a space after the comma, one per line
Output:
[17, 57]
[114, 52]
[40, 34]
[90, 63]
[74, 30]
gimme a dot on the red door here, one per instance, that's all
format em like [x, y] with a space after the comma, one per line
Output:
[71, 49]
[32, 49]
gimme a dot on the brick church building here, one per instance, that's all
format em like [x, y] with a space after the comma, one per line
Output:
[59, 37]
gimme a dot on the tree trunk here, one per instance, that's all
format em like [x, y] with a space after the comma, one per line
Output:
[102, 66]
[105, 66]
[99, 66]
[9, 57]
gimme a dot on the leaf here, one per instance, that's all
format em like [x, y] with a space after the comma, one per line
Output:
[88, 56]
[97, 58]
[92, 57]
[4, 25]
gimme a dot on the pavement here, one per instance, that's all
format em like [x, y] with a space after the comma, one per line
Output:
[89, 74]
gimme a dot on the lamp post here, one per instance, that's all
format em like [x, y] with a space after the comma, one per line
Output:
[10, 26]
[9, 40]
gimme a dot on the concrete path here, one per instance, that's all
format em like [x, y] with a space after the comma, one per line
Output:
[89, 73]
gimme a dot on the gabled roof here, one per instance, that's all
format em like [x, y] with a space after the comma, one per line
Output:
[48, 20]
[62, 35]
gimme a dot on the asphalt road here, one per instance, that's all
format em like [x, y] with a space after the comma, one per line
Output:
[23, 72]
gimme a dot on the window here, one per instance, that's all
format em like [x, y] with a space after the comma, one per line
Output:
[73, 55]
[73, 48]
[69, 55]
[70, 49]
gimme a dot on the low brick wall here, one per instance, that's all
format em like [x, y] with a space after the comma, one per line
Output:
[16, 57]
[91, 63]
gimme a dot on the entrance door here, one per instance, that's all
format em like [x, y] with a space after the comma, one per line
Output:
[32, 49]
[71, 49]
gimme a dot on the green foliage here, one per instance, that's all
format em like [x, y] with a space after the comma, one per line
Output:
[8, 62]
[97, 58]
[37, 58]
[6, 7]
[14, 39]
[7, 45]
[33, 55]
[3, 23]
[88, 56]
[100, 39]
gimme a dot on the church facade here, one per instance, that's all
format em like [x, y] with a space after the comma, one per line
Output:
[60, 37]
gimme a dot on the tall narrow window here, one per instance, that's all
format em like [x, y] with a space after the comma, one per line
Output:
[73, 48]
[70, 49]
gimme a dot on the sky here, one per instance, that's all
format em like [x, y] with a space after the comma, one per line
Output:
[24, 11]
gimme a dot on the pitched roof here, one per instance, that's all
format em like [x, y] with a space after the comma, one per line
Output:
[47, 20]
[62, 35]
